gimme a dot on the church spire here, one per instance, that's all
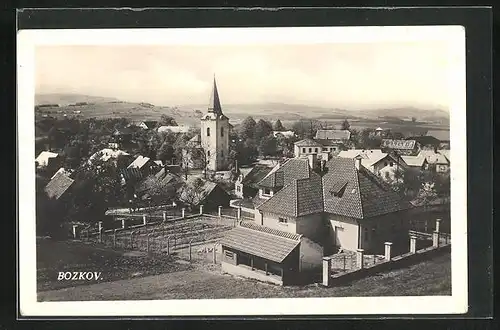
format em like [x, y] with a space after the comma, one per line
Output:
[214, 104]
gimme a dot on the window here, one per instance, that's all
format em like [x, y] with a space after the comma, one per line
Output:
[267, 191]
[392, 164]
[222, 131]
[304, 150]
[315, 149]
[228, 254]
[282, 220]
[310, 150]
[387, 176]
[238, 188]
[385, 163]
[208, 153]
[208, 131]
[325, 149]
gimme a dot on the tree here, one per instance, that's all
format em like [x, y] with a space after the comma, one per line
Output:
[263, 128]
[306, 128]
[199, 158]
[192, 193]
[268, 146]
[247, 128]
[278, 126]
[166, 120]
[345, 125]
[166, 152]
[159, 190]
[413, 119]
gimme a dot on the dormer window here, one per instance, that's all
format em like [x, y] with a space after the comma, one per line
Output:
[267, 191]
[338, 189]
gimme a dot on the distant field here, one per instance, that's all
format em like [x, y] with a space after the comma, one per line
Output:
[431, 277]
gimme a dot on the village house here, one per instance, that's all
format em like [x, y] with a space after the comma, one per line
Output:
[145, 164]
[107, 154]
[245, 185]
[307, 147]
[174, 129]
[58, 186]
[425, 142]
[196, 192]
[285, 134]
[435, 159]
[147, 124]
[417, 162]
[48, 159]
[384, 165]
[338, 136]
[443, 136]
[341, 205]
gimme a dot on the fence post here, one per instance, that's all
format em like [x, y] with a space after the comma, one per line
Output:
[114, 238]
[220, 211]
[435, 239]
[214, 254]
[164, 216]
[327, 270]
[144, 220]
[413, 244]
[131, 241]
[438, 221]
[344, 262]
[123, 223]
[189, 250]
[201, 209]
[75, 235]
[99, 224]
[387, 252]
[360, 258]
[183, 213]
[425, 228]
[100, 235]
[238, 215]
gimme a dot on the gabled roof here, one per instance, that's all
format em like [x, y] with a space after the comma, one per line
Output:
[267, 243]
[441, 135]
[414, 160]
[257, 173]
[330, 134]
[426, 140]
[292, 169]
[59, 184]
[44, 157]
[173, 129]
[139, 162]
[131, 173]
[433, 157]
[150, 123]
[307, 143]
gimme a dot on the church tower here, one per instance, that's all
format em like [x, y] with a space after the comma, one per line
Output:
[215, 134]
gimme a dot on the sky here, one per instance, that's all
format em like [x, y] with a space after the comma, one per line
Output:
[349, 76]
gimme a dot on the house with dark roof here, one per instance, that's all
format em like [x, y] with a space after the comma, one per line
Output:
[246, 184]
[209, 194]
[59, 186]
[426, 142]
[443, 136]
[333, 135]
[344, 206]
[262, 253]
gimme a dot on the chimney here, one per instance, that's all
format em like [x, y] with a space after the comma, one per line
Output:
[312, 160]
[357, 162]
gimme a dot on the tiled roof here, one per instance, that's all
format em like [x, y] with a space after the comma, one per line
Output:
[270, 244]
[343, 190]
[257, 173]
[328, 134]
[131, 173]
[441, 135]
[365, 153]
[58, 185]
[300, 197]
[292, 169]
[307, 143]
[139, 162]
[425, 140]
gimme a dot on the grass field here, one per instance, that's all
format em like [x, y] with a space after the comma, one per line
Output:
[168, 280]
[62, 256]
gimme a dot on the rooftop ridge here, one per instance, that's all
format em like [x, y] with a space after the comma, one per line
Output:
[270, 231]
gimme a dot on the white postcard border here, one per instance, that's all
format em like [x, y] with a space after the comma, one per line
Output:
[456, 303]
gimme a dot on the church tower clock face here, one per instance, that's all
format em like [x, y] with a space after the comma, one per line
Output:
[215, 133]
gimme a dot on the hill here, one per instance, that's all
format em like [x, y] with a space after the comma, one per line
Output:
[105, 107]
